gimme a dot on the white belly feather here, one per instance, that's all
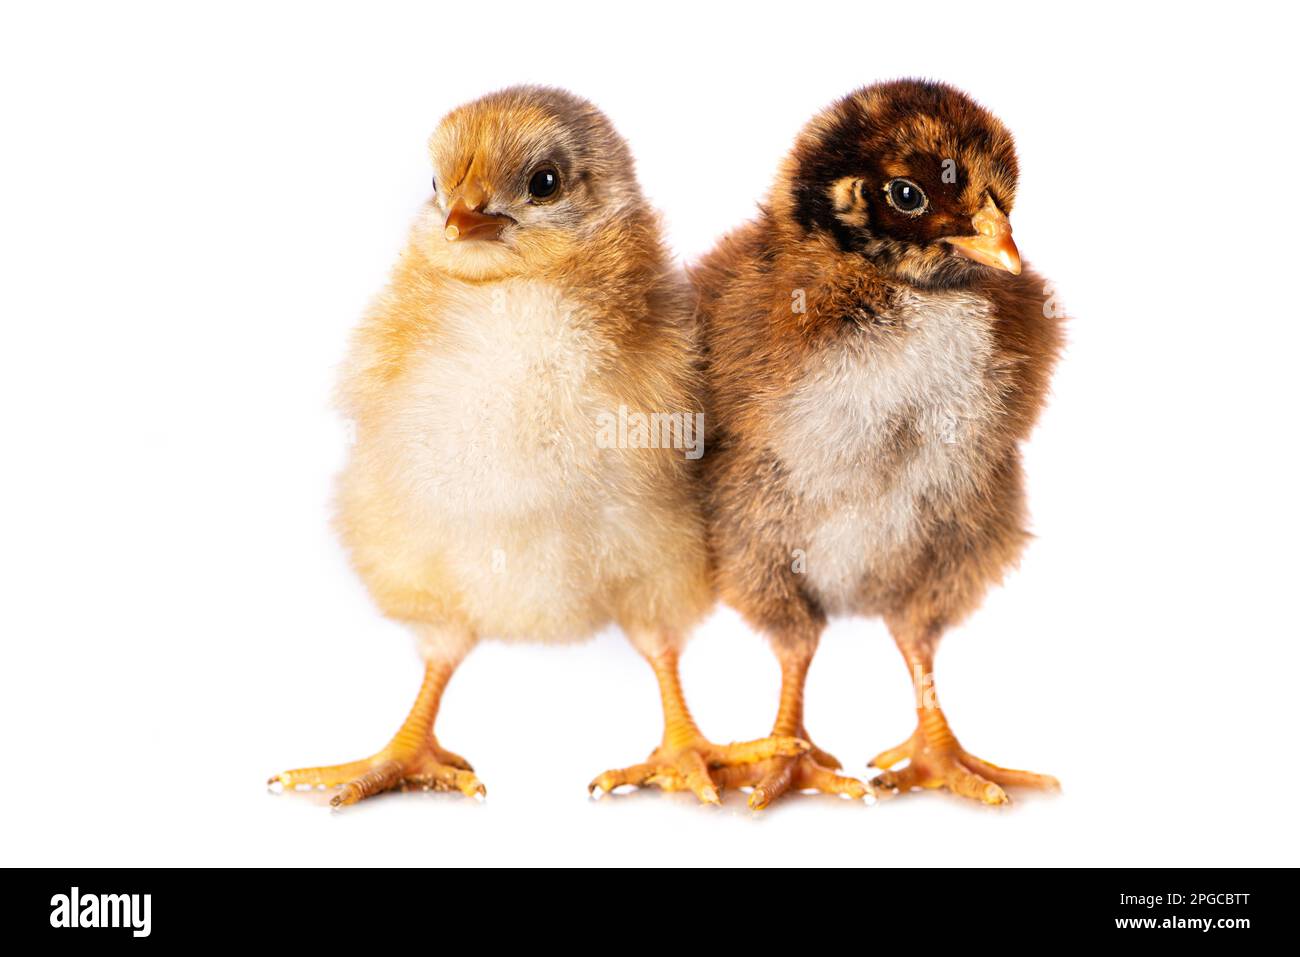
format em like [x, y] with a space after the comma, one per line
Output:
[490, 442]
[840, 436]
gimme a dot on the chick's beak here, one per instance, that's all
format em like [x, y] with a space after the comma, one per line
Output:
[992, 244]
[466, 219]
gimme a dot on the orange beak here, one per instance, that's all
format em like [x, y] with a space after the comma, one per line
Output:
[466, 219]
[992, 244]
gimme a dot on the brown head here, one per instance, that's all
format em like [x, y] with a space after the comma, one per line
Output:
[913, 175]
[520, 178]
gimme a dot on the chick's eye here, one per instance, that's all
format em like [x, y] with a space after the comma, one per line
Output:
[905, 196]
[544, 184]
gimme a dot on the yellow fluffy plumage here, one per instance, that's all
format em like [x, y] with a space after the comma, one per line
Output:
[495, 489]
[477, 499]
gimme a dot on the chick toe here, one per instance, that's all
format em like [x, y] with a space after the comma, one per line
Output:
[773, 778]
[700, 766]
[686, 760]
[412, 759]
[945, 764]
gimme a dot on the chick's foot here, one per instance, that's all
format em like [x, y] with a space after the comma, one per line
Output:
[692, 765]
[938, 761]
[814, 771]
[426, 766]
[413, 758]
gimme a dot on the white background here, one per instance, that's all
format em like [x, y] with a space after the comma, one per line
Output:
[196, 205]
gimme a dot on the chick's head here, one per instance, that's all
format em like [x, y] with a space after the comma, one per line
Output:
[914, 175]
[521, 177]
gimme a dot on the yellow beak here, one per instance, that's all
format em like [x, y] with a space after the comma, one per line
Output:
[992, 244]
[467, 221]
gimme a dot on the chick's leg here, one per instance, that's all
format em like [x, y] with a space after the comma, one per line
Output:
[686, 760]
[812, 771]
[935, 758]
[413, 758]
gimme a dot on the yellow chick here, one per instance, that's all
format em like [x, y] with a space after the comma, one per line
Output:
[525, 396]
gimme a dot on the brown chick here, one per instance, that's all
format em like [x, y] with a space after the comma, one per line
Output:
[487, 494]
[875, 354]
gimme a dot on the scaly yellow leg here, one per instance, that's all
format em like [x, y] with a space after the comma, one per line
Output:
[936, 759]
[814, 770]
[413, 758]
[686, 760]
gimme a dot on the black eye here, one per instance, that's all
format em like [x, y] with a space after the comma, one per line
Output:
[905, 196]
[434, 183]
[544, 184]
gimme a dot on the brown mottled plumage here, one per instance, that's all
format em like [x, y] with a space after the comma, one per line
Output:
[534, 301]
[873, 366]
